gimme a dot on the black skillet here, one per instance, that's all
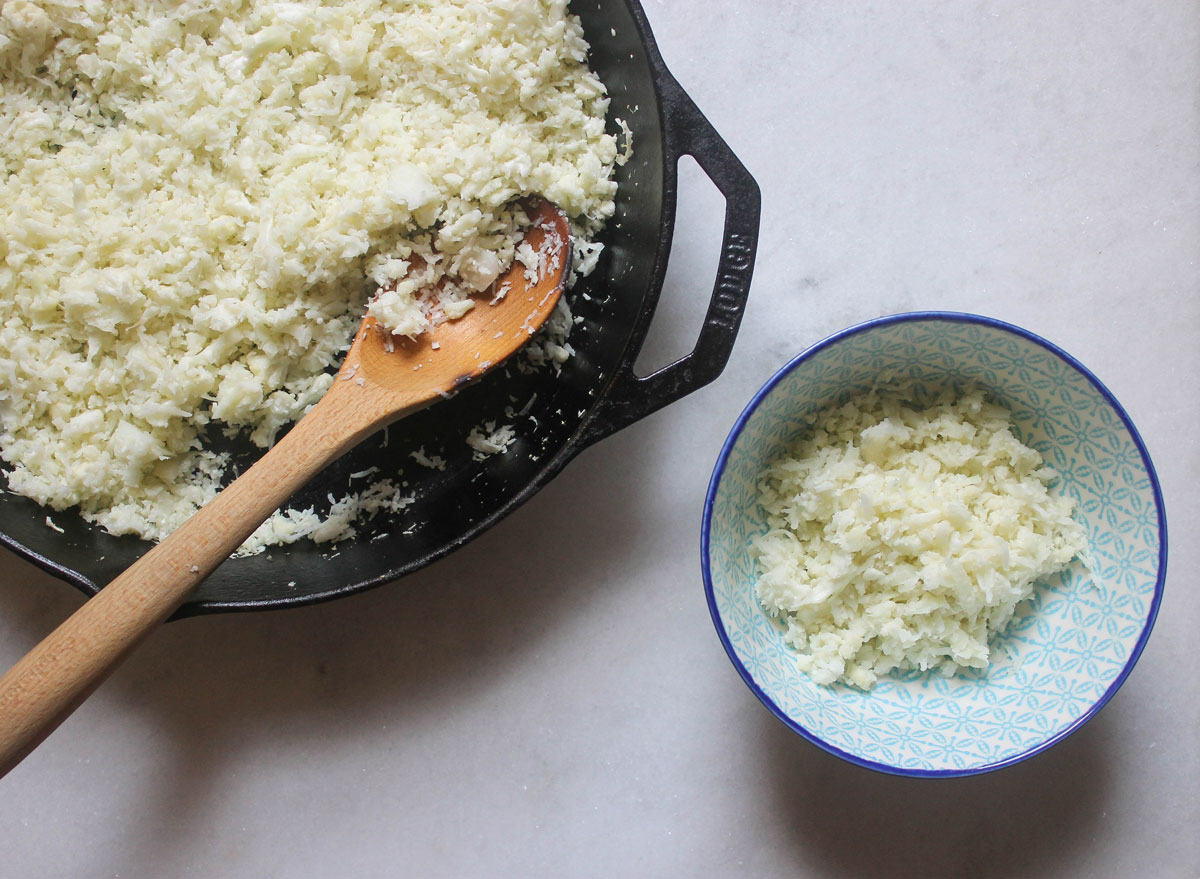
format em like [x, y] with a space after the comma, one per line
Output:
[596, 394]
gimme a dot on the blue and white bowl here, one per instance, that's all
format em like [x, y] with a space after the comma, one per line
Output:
[1061, 659]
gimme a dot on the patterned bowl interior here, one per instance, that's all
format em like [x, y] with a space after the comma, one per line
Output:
[1063, 655]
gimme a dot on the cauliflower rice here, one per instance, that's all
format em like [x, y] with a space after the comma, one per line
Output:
[905, 538]
[199, 197]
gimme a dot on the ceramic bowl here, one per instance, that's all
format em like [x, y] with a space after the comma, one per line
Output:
[1063, 656]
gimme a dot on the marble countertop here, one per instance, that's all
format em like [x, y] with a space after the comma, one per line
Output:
[1034, 161]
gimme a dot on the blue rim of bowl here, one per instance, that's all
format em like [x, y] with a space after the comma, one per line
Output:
[719, 471]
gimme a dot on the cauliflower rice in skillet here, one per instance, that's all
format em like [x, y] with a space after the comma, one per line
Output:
[200, 198]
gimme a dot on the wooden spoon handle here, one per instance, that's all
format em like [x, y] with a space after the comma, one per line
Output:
[41, 690]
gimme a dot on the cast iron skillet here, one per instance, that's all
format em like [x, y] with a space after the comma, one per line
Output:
[596, 394]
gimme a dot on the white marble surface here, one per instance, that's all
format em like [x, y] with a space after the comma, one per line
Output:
[1036, 161]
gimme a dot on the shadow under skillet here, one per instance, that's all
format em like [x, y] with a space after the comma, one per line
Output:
[1029, 819]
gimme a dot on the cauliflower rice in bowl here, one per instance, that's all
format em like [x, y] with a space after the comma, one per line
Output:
[905, 536]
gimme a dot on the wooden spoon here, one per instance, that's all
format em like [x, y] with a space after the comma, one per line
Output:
[382, 379]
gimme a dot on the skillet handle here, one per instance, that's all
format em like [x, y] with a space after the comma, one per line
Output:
[687, 133]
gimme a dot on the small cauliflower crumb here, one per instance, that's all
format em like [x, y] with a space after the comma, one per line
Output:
[905, 538]
[433, 462]
[488, 440]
